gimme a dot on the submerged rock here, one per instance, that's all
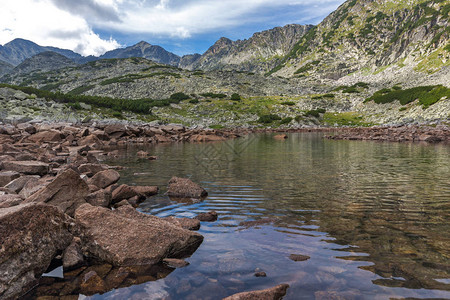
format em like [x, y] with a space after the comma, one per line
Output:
[299, 257]
[275, 293]
[210, 216]
[185, 188]
[126, 237]
[31, 235]
[175, 262]
[280, 136]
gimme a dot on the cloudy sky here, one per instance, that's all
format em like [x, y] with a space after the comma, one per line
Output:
[181, 26]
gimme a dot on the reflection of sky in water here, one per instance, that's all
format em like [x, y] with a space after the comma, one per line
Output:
[373, 217]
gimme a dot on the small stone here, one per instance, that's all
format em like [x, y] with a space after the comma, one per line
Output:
[261, 274]
[8, 176]
[92, 284]
[298, 257]
[280, 137]
[175, 263]
[207, 217]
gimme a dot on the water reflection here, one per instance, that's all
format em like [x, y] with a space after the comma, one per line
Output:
[373, 217]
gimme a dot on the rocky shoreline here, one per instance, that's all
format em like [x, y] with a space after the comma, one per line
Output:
[438, 134]
[60, 206]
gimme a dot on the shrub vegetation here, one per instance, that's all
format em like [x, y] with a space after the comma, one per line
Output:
[267, 119]
[427, 95]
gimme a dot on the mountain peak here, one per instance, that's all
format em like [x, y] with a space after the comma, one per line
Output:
[142, 44]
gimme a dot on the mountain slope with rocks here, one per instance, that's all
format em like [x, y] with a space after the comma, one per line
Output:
[5, 68]
[366, 37]
[16, 51]
[44, 62]
[136, 78]
[258, 54]
[144, 50]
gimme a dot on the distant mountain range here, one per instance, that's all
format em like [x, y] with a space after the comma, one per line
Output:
[259, 53]
[360, 36]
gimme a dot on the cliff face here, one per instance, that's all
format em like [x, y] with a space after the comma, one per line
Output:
[258, 54]
[367, 35]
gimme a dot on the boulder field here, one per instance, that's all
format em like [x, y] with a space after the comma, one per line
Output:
[59, 204]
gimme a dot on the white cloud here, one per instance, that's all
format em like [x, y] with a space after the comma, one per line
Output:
[45, 24]
[186, 18]
[68, 23]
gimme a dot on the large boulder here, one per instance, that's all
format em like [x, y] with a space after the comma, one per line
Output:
[91, 169]
[146, 190]
[46, 136]
[126, 237]
[275, 293]
[67, 191]
[105, 178]
[27, 167]
[116, 130]
[99, 198]
[185, 188]
[31, 235]
[123, 192]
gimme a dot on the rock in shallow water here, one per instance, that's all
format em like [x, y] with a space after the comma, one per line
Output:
[126, 237]
[299, 257]
[185, 188]
[274, 293]
[210, 216]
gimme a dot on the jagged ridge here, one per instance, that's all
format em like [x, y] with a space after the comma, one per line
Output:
[369, 34]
